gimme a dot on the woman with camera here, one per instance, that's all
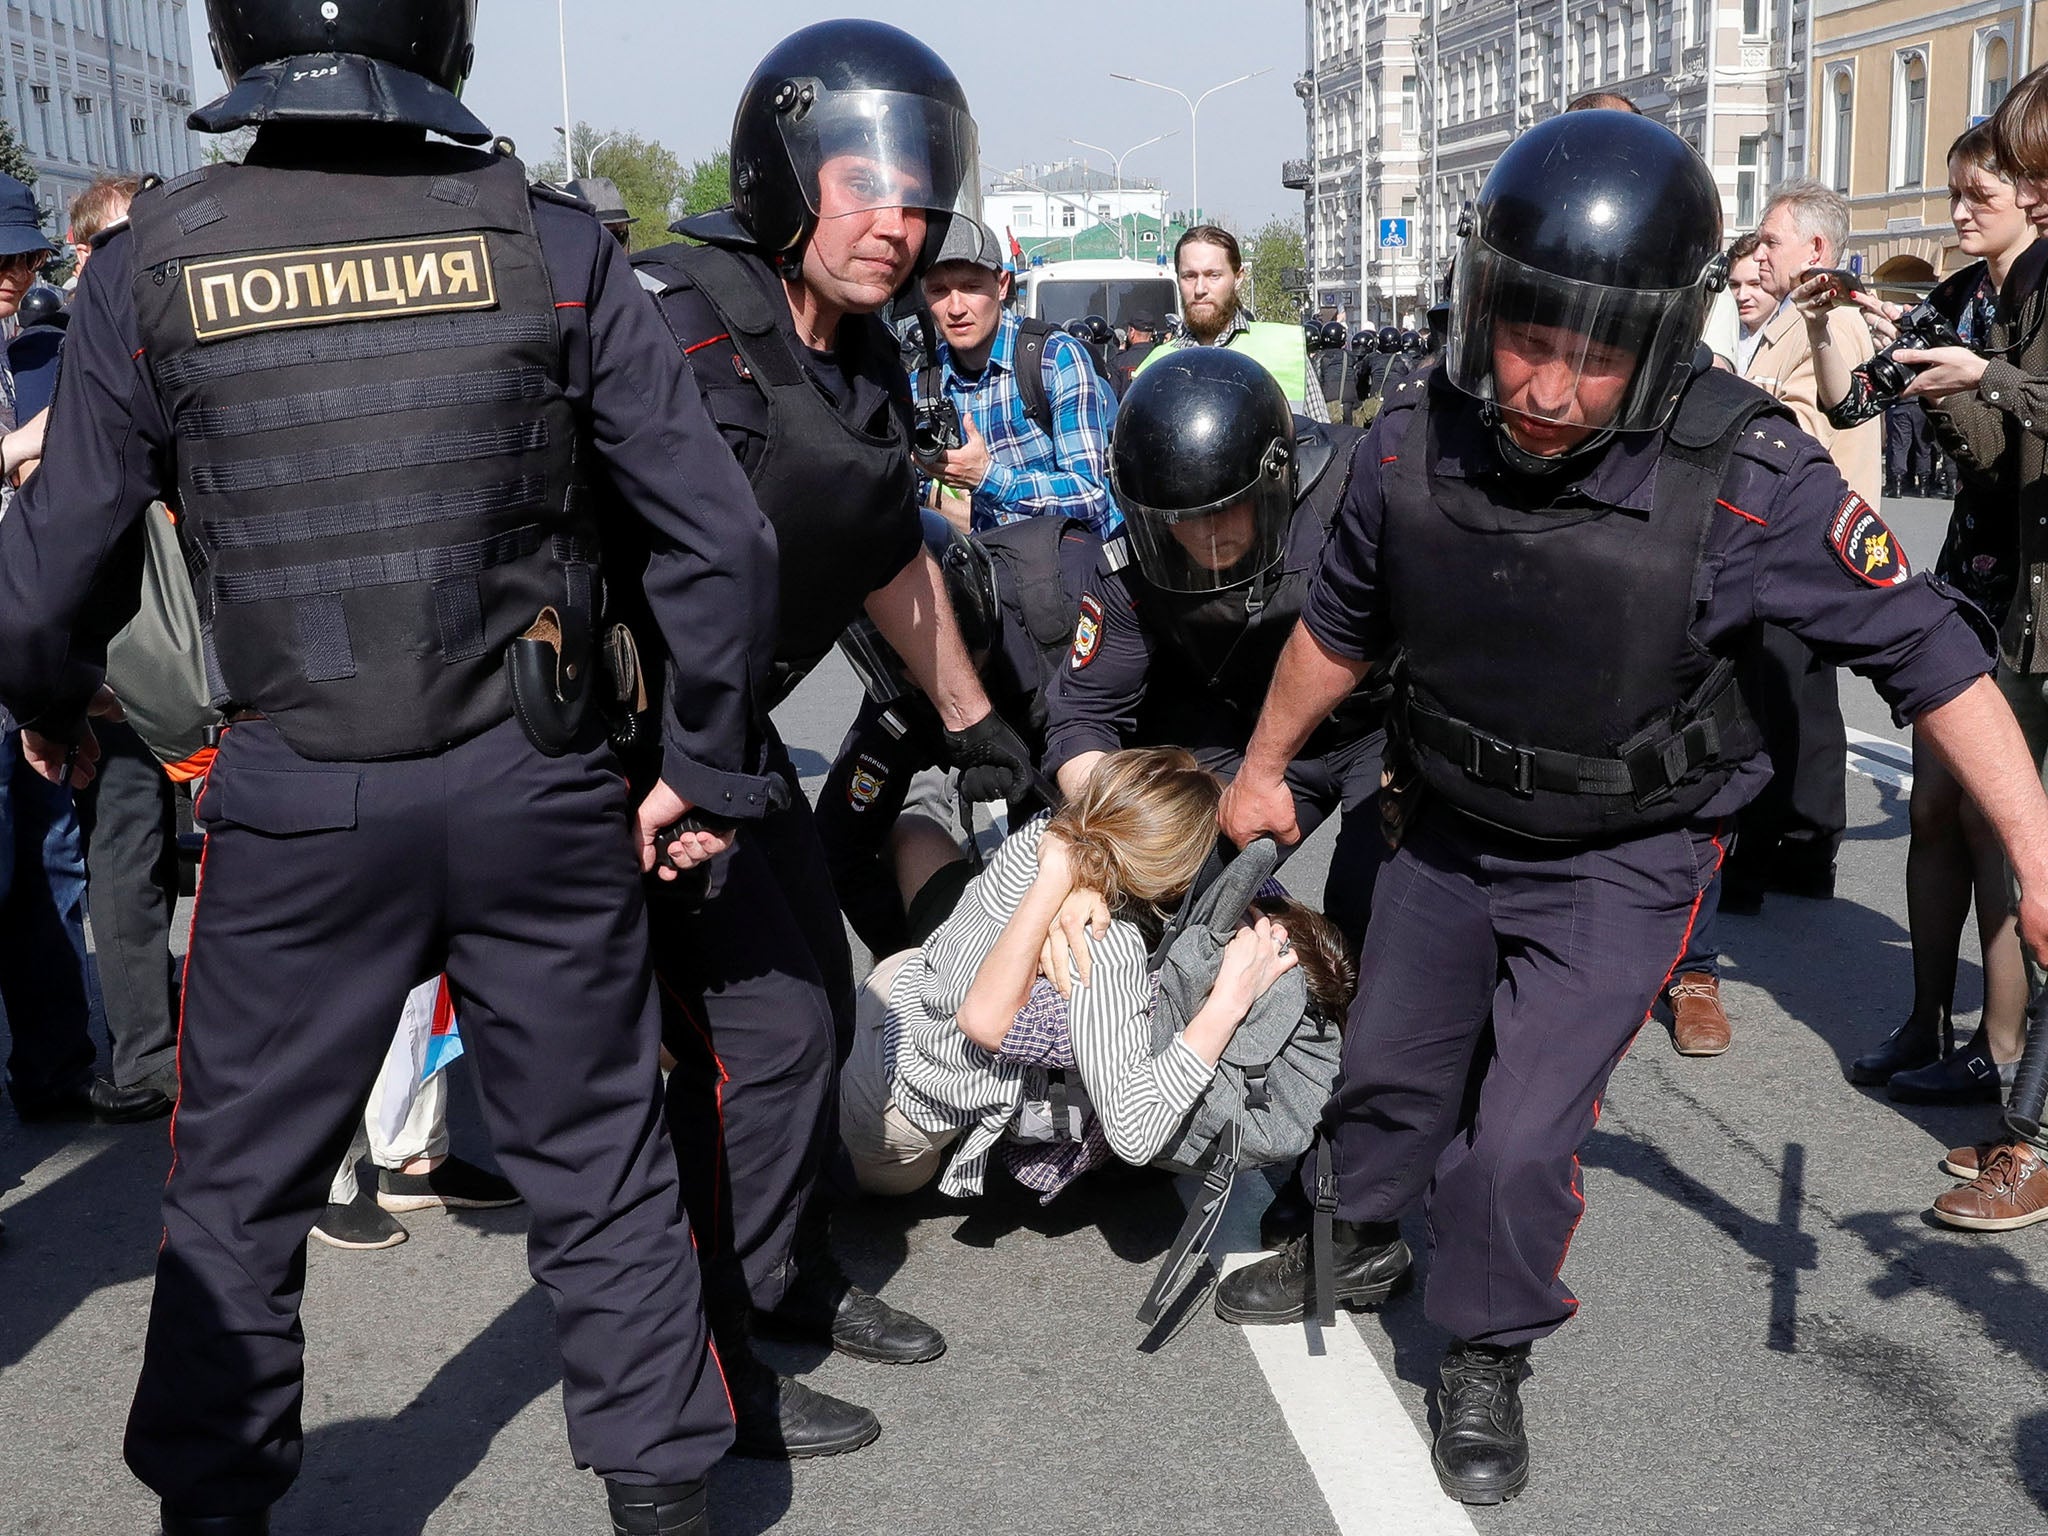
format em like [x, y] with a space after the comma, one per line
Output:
[1993, 307]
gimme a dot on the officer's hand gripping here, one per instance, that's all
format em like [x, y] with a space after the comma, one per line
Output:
[1252, 808]
[993, 761]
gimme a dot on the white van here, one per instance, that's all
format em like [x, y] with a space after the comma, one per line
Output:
[1061, 291]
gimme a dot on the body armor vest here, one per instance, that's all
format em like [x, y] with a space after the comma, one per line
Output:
[824, 484]
[1550, 683]
[1041, 563]
[377, 467]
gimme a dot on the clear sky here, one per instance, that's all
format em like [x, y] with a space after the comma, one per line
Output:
[1036, 71]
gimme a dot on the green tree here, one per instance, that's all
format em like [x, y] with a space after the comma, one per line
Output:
[229, 148]
[708, 186]
[1274, 259]
[649, 176]
[14, 160]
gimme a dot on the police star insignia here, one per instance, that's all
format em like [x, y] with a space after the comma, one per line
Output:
[1087, 634]
[1866, 548]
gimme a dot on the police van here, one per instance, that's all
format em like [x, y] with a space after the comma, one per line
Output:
[1115, 289]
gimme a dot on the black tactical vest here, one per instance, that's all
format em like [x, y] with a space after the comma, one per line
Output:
[1042, 566]
[377, 467]
[1550, 683]
[824, 484]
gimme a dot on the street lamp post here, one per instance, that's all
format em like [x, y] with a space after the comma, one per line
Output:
[1194, 106]
[568, 122]
[1117, 175]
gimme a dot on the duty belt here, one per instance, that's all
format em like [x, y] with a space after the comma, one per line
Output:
[1646, 769]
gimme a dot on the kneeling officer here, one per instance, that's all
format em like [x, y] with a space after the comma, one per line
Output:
[374, 373]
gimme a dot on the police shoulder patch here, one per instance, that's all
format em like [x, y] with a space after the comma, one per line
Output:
[865, 787]
[1087, 634]
[1868, 549]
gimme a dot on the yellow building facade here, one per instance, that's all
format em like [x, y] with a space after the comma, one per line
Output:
[1893, 83]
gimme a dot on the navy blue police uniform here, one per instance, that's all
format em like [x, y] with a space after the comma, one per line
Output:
[758, 981]
[381, 380]
[1549, 874]
[1151, 667]
[1041, 567]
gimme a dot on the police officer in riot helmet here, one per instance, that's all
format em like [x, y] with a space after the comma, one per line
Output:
[1389, 340]
[376, 372]
[852, 146]
[1568, 532]
[1226, 497]
[1332, 364]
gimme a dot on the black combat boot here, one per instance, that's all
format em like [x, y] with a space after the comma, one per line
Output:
[1482, 1450]
[1371, 1264]
[822, 1306]
[675, 1510]
[778, 1418]
[176, 1524]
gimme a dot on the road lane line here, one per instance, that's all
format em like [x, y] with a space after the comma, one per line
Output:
[1881, 758]
[1372, 1466]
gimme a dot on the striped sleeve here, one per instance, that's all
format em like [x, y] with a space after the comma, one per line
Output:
[957, 947]
[1142, 1099]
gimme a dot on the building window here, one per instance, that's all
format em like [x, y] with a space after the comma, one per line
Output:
[1699, 23]
[1628, 40]
[1752, 18]
[1066, 216]
[1841, 128]
[1407, 103]
[1909, 118]
[1748, 170]
[1653, 34]
[1995, 74]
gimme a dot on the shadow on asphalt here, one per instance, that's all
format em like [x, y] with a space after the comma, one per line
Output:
[1975, 1275]
[94, 1227]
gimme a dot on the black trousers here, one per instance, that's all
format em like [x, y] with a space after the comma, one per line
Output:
[1796, 824]
[328, 891]
[130, 816]
[1563, 950]
[757, 993]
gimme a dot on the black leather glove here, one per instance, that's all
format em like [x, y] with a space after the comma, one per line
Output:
[993, 761]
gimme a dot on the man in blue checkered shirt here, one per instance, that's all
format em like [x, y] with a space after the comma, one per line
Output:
[1009, 467]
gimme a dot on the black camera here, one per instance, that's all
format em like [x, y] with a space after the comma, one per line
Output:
[1921, 329]
[936, 428]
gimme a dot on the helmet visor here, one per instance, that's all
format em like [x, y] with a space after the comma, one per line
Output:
[1222, 545]
[1566, 352]
[857, 151]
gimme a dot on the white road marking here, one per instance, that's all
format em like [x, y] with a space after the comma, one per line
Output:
[1370, 1463]
[1881, 758]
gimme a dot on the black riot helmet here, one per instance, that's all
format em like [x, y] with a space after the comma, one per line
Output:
[1390, 340]
[1333, 337]
[42, 305]
[433, 39]
[1595, 241]
[845, 117]
[1411, 344]
[1099, 331]
[1202, 463]
[1078, 328]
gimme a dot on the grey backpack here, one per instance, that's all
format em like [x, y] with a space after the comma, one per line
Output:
[1275, 1075]
[1271, 1084]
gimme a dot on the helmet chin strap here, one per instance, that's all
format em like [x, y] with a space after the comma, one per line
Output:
[1523, 462]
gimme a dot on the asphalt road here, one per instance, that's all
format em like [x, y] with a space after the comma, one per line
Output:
[1773, 1337]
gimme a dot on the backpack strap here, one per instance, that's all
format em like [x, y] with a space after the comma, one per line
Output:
[1189, 1254]
[1031, 363]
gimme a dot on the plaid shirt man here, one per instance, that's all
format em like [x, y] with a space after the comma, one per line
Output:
[1029, 473]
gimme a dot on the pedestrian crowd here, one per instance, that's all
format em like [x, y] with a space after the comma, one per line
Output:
[438, 549]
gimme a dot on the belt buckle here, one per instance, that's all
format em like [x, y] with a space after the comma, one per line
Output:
[1501, 764]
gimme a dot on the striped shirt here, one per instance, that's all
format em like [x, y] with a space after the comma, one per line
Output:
[1031, 474]
[943, 1081]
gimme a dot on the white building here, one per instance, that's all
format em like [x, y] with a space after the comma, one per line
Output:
[1445, 85]
[93, 86]
[1067, 199]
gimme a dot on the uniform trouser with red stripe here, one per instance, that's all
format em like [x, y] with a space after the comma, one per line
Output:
[758, 990]
[329, 891]
[1563, 948]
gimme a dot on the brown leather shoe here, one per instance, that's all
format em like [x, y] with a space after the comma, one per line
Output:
[1966, 1163]
[2010, 1190]
[1699, 1024]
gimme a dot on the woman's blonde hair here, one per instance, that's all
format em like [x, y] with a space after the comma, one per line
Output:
[1141, 828]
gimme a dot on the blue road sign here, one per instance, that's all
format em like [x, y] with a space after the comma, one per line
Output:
[1393, 234]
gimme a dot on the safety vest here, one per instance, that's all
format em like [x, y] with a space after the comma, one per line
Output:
[1282, 350]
